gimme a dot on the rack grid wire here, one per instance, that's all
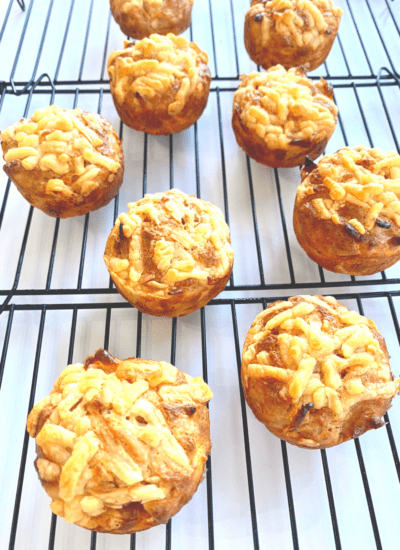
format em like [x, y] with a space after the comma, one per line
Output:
[58, 303]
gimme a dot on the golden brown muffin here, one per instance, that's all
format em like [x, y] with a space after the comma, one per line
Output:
[170, 254]
[160, 85]
[347, 211]
[121, 445]
[66, 163]
[291, 32]
[141, 18]
[280, 117]
[315, 373]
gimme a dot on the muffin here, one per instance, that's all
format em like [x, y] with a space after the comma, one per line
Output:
[160, 85]
[64, 162]
[121, 445]
[280, 117]
[315, 373]
[291, 32]
[141, 18]
[170, 254]
[347, 211]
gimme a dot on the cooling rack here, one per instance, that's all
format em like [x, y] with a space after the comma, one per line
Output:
[58, 304]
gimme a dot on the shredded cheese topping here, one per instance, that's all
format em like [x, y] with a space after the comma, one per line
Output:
[172, 237]
[301, 22]
[154, 66]
[106, 442]
[284, 106]
[330, 363]
[65, 142]
[368, 178]
[127, 5]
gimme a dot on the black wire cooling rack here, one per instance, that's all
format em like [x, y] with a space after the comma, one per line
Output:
[56, 52]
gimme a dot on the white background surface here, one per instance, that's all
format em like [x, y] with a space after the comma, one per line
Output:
[230, 493]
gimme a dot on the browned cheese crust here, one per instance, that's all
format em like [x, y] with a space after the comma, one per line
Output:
[160, 85]
[170, 254]
[291, 32]
[64, 162]
[121, 445]
[347, 211]
[280, 117]
[141, 18]
[315, 373]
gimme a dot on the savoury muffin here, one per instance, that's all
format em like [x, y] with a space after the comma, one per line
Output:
[141, 18]
[160, 85]
[170, 254]
[64, 162]
[347, 211]
[121, 445]
[291, 32]
[315, 373]
[280, 117]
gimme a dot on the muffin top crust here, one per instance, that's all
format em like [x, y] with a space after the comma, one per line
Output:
[72, 151]
[113, 434]
[300, 22]
[155, 67]
[167, 240]
[323, 354]
[285, 108]
[368, 179]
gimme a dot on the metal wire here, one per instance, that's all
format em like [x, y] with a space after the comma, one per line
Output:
[245, 433]
[75, 308]
[110, 307]
[26, 437]
[331, 500]
[51, 85]
[216, 76]
[263, 284]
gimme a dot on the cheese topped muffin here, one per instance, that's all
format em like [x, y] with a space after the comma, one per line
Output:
[141, 18]
[170, 254]
[280, 117]
[347, 211]
[315, 373]
[121, 445]
[291, 32]
[160, 85]
[65, 162]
